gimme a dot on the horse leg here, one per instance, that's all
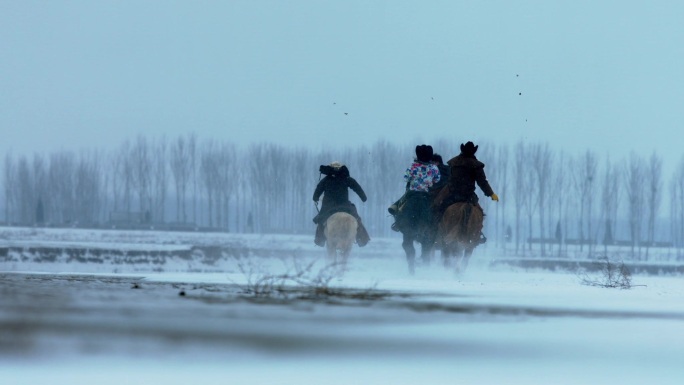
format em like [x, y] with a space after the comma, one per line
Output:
[447, 254]
[466, 257]
[344, 255]
[426, 248]
[407, 244]
[458, 257]
[332, 252]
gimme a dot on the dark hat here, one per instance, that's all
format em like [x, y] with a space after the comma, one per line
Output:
[437, 158]
[343, 171]
[424, 153]
[469, 149]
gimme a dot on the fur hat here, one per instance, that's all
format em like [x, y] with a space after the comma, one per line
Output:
[336, 165]
[468, 149]
[424, 153]
[334, 169]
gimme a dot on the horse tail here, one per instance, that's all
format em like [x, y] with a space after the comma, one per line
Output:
[340, 229]
[462, 222]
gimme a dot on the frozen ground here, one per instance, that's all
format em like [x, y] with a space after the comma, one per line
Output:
[122, 321]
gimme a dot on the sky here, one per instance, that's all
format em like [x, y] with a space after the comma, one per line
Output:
[581, 75]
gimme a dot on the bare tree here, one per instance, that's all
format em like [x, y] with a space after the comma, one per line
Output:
[520, 189]
[560, 184]
[634, 184]
[586, 178]
[242, 194]
[217, 172]
[653, 195]
[39, 187]
[227, 185]
[142, 174]
[180, 169]
[61, 184]
[8, 176]
[542, 164]
[610, 198]
[677, 208]
[194, 166]
[275, 184]
[123, 179]
[487, 153]
[209, 177]
[530, 195]
[24, 191]
[160, 179]
[87, 188]
[381, 176]
[114, 167]
[500, 178]
[299, 200]
[265, 172]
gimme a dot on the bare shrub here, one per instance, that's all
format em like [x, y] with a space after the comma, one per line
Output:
[298, 278]
[610, 275]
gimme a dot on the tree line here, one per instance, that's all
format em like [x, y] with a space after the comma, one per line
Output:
[549, 198]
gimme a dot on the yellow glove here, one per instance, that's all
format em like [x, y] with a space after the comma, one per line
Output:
[495, 197]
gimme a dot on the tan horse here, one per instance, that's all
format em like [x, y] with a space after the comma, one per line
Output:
[340, 234]
[460, 231]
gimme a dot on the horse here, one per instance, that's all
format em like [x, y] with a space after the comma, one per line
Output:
[415, 223]
[340, 233]
[460, 232]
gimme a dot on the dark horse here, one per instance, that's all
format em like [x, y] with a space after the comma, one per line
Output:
[460, 231]
[415, 223]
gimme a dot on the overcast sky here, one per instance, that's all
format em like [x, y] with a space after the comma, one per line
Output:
[600, 75]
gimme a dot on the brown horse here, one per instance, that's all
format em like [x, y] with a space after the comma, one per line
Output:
[340, 233]
[460, 231]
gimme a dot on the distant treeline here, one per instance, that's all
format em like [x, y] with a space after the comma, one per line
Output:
[188, 182]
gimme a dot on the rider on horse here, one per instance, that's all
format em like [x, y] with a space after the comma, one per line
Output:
[335, 189]
[466, 171]
[420, 176]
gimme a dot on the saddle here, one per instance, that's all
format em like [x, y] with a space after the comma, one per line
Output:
[324, 214]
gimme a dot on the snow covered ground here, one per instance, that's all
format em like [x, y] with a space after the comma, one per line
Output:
[112, 317]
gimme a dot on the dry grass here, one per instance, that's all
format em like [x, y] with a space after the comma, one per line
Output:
[610, 275]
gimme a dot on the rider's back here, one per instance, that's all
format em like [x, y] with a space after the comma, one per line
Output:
[465, 172]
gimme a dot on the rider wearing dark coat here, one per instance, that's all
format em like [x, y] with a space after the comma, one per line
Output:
[335, 190]
[466, 171]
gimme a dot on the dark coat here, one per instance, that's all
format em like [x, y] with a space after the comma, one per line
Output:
[335, 190]
[465, 172]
